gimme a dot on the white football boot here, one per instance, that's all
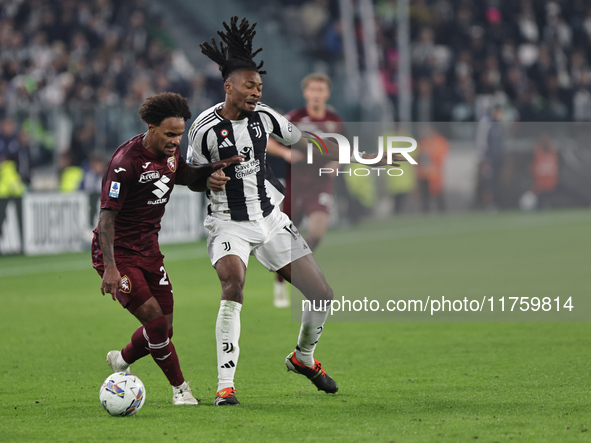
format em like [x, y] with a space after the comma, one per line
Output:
[112, 359]
[182, 395]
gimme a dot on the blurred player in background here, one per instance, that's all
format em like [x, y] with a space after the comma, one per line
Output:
[314, 198]
[125, 252]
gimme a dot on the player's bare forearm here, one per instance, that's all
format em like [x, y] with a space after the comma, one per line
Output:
[278, 150]
[196, 176]
[106, 231]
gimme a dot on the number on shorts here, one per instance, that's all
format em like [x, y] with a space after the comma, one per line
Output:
[163, 280]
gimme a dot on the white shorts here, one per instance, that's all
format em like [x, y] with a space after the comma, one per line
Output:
[274, 240]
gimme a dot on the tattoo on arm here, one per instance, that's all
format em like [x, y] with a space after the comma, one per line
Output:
[106, 230]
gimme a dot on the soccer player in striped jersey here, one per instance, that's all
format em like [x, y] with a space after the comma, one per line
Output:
[244, 219]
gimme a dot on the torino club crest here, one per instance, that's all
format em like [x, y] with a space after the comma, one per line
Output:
[171, 162]
[125, 284]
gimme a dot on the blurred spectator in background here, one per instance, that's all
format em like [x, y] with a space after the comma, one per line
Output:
[14, 147]
[82, 144]
[433, 150]
[71, 175]
[490, 143]
[11, 184]
[9, 146]
[24, 162]
[93, 173]
[544, 170]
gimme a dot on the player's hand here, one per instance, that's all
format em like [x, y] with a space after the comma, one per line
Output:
[227, 162]
[217, 181]
[111, 281]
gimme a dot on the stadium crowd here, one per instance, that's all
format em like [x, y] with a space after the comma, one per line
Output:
[529, 55]
[65, 58]
[60, 59]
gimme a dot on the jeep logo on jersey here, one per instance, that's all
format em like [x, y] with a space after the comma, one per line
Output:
[161, 188]
[149, 176]
[171, 162]
[256, 127]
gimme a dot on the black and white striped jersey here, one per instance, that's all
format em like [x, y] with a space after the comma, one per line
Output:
[249, 195]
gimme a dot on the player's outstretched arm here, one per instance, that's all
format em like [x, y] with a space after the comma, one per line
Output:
[278, 150]
[106, 230]
[196, 177]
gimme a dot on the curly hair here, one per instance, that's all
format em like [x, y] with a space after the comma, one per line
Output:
[235, 48]
[162, 106]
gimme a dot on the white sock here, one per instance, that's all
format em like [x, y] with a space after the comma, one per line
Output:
[227, 334]
[310, 331]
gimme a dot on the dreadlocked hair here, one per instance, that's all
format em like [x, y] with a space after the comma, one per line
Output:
[235, 49]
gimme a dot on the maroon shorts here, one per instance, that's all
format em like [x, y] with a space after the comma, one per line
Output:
[141, 278]
[304, 201]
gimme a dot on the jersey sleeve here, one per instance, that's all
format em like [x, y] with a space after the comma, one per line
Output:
[280, 128]
[119, 176]
[198, 152]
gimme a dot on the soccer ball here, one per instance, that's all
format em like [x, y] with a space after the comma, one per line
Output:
[122, 394]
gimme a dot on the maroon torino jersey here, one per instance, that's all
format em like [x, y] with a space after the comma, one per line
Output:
[301, 173]
[138, 184]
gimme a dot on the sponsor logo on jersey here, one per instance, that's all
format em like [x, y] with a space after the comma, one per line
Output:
[146, 165]
[149, 176]
[160, 201]
[125, 284]
[225, 144]
[118, 170]
[171, 162]
[114, 189]
[246, 169]
[161, 188]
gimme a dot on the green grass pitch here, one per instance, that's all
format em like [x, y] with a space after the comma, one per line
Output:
[408, 380]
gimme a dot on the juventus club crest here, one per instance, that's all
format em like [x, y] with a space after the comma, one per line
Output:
[256, 127]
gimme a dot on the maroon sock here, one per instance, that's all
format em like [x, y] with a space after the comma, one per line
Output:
[137, 347]
[163, 351]
[279, 278]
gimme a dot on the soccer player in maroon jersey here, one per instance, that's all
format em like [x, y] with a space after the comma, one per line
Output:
[314, 198]
[125, 251]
